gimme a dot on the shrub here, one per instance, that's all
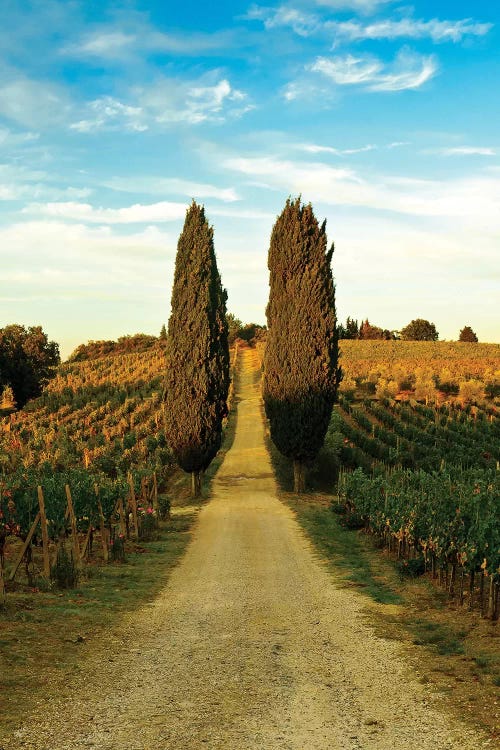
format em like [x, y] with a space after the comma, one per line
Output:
[64, 572]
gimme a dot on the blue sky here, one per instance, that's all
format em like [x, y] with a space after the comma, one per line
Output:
[113, 116]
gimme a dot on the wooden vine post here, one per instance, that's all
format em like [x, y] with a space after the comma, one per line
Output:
[45, 533]
[72, 520]
[123, 523]
[25, 546]
[133, 505]
[155, 493]
[102, 527]
[2, 583]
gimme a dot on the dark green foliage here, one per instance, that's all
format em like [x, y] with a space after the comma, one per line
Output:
[350, 330]
[27, 360]
[419, 330]
[64, 572]
[197, 378]
[301, 375]
[467, 334]
[234, 326]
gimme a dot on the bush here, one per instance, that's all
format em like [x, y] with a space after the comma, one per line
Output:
[164, 507]
[64, 572]
[118, 548]
[411, 568]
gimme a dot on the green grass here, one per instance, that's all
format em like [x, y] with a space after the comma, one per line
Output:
[445, 640]
[345, 551]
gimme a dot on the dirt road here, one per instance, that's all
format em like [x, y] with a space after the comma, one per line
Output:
[250, 645]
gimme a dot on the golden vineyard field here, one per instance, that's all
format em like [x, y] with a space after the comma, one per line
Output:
[106, 412]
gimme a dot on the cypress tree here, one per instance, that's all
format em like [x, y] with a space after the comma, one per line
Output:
[301, 373]
[197, 379]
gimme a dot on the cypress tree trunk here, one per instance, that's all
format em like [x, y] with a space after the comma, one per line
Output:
[195, 483]
[299, 477]
[301, 373]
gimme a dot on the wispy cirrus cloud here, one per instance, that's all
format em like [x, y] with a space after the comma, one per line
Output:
[360, 6]
[408, 71]
[31, 103]
[312, 148]
[11, 138]
[109, 113]
[306, 23]
[464, 151]
[409, 28]
[168, 101]
[172, 185]
[470, 199]
[130, 37]
[84, 212]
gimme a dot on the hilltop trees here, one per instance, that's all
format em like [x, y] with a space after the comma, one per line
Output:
[27, 360]
[197, 378]
[419, 330]
[467, 334]
[301, 373]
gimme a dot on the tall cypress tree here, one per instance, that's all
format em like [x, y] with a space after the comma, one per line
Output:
[301, 373]
[197, 379]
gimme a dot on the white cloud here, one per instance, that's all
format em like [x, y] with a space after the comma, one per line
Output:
[10, 138]
[473, 200]
[84, 212]
[409, 71]
[302, 23]
[169, 101]
[132, 39]
[464, 151]
[172, 185]
[410, 28]
[32, 104]
[361, 6]
[313, 148]
[108, 43]
[195, 102]
[306, 24]
[20, 183]
[110, 113]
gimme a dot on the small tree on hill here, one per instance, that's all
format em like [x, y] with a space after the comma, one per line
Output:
[301, 373]
[419, 330]
[197, 378]
[467, 334]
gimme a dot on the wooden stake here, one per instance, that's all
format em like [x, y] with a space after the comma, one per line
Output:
[133, 505]
[2, 584]
[155, 493]
[86, 540]
[25, 547]
[104, 533]
[45, 533]
[123, 524]
[72, 519]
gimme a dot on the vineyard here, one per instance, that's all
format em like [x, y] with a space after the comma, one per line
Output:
[422, 477]
[429, 370]
[426, 481]
[88, 458]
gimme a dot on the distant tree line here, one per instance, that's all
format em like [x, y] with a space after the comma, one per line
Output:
[417, 330]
